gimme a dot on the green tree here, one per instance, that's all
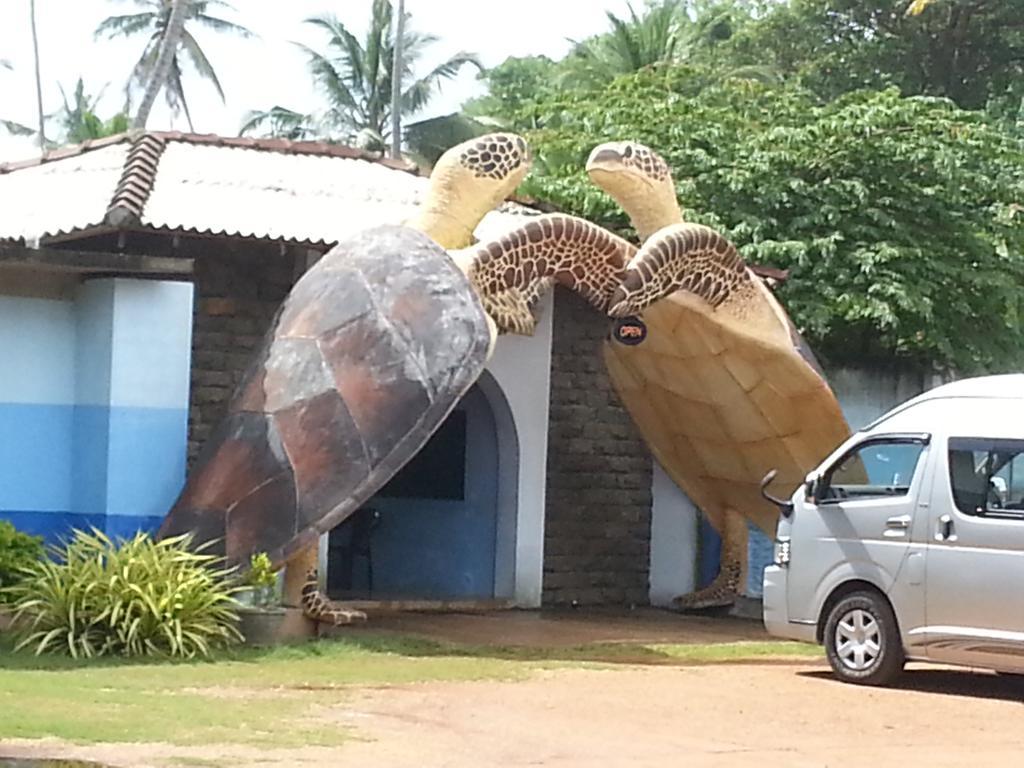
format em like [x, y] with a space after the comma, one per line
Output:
[900, 219]
[971, 51]
[152, 21]
[79, 121]
[356, 77]
[514, 83]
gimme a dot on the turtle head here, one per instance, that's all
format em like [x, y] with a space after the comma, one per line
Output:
[639, 180]
[468, 181]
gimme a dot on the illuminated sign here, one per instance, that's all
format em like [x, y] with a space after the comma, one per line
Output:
[629, 331]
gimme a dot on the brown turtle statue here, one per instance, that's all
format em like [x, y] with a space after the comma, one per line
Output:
[371, 350]
[723, 388]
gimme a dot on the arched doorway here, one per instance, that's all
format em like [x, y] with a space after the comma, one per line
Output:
[444, 527]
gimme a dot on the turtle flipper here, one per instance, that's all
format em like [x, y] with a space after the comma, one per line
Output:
[370, 352]
[681, 257]
[512, 273]
[728, 584]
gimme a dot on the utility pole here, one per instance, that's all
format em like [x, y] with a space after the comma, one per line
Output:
[396, 83]
[39, 80]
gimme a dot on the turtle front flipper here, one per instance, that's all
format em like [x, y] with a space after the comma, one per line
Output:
[511, 273]
[368, 355]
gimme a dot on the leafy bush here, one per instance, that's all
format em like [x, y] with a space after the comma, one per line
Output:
[137, 598]
[259, 582]
[261, 573]
[18, 551]
[900, 219]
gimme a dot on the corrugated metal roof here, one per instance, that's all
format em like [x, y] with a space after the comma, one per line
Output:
[268, 189]
[60, 196]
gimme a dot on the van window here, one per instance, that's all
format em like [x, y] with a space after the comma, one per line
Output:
[873, 470]
[987, 476]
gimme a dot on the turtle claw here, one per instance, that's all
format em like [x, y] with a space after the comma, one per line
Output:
[705, 599]
[338, 616]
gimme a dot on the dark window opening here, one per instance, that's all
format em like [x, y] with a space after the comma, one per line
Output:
[987, 476]
[439, 470]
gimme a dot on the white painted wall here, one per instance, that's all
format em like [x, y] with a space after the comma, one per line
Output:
[522, 368]
[673, 541]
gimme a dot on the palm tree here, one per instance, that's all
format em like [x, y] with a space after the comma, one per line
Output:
[659, 35]
[152, 20]
[356, 77]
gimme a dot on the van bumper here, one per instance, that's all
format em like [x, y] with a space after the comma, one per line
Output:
[776, 611]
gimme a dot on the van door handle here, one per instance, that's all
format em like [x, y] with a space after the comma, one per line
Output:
[944, 529]
[899, 522]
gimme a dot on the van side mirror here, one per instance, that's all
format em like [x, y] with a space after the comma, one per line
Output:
[785, 507]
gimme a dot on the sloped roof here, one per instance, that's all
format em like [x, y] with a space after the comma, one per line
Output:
[272, 189]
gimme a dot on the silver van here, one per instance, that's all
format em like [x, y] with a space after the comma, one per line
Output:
[908, 541]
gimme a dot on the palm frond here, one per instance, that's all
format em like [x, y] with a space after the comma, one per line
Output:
[340, 95]
[174, 83]
[16, 129]
[416, 96]
[200, 62]
[277, 122]
[222, 25]
[126, 25]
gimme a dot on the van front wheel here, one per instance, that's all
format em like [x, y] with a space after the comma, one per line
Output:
[862, 641]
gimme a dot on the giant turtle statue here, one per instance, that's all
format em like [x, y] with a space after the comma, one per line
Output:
[369, 353]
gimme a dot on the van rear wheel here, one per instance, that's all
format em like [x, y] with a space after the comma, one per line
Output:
[862, 640]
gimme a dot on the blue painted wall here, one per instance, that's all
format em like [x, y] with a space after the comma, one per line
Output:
[441, 549]
[94, 406]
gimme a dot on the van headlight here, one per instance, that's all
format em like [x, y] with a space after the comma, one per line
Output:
[780, 553]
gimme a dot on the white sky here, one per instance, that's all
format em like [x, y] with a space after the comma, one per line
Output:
[268, 70]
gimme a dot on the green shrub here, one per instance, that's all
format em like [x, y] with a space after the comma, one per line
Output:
[137, 598]
[18, 551]
[261, 574]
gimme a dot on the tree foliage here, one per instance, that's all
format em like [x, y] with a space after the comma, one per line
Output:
[971, 51]
[900, 219]
[79, 121]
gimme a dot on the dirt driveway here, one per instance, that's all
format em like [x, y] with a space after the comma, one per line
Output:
[699, 716]
[729, 715]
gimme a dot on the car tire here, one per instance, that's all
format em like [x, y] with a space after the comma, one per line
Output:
[862, 640]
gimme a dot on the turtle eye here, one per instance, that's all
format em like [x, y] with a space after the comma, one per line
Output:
[628, 151]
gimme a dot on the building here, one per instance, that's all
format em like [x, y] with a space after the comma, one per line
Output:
[138, 273]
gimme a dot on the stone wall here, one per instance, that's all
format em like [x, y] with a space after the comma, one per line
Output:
[598, 517]
[237, 292]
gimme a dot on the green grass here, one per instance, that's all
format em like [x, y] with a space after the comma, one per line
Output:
[265, 697]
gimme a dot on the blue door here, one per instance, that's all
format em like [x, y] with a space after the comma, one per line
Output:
[431, 533]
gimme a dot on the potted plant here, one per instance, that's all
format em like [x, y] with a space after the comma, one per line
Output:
[260, 612]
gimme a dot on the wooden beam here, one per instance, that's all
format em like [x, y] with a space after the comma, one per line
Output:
[56, 260]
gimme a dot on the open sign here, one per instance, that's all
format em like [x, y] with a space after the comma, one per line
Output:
[629, 331]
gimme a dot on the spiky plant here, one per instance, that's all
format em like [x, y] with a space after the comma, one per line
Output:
[139, 597]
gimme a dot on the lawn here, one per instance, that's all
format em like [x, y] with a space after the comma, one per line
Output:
[266, 697]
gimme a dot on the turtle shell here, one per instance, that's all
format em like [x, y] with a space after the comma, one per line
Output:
[367, 356]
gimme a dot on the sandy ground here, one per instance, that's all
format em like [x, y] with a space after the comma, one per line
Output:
[727, 715]
[731, 715]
